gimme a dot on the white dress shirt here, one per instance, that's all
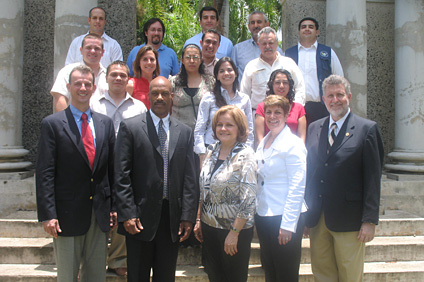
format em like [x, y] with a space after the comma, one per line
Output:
[203, 133]
[62, 79]
[339, 123]
[307, 62]
[244, 52]
[128, 107]
[112, 52]
[281, 178]
[165, 121]
[257, 73]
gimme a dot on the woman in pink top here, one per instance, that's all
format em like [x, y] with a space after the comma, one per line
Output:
[281, 83]
[146, 67]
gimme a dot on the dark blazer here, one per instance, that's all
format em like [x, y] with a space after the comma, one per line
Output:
[64, 180]
[344, 184]
[139, 175]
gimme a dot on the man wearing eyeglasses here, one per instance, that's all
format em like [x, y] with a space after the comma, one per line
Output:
[210, 43]
[153, 33]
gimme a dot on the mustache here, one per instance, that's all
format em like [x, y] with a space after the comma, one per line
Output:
[268, 49]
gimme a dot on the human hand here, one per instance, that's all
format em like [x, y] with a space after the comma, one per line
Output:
[133, 226]
[198, 231]
[185, 228]
[284, 236]
[52, 227]
[230, 244]
[367, 232]
[113, 220]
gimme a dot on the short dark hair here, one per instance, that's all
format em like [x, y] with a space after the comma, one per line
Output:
[118, 63]
[84, 70]
[309, 19]
[89, 13]
[212, 31]
[148, 24]
[92, 36]
[209, 8]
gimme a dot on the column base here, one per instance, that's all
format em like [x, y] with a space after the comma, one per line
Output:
[406, 162]
[11, 159]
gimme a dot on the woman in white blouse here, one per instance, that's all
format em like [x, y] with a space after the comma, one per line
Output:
[225, 92]
[281, 158]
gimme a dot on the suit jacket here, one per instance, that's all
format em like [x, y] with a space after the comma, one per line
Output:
[64, 180]
[344, 184]
[139, 175]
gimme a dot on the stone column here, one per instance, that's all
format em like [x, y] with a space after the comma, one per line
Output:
[347, 34]
[71, 20]
[11, 53]
[408, 155]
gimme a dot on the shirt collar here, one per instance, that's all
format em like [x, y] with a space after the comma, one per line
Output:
[106, 96]
[301, 46]
[340, 122]
[157, 119]
[77, 113]
[224, 93]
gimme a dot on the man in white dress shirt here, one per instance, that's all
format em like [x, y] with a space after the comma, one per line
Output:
[248, 50]
[317, 62]
[92, 51]
[257, 71]
[97, 22]
[118, 105]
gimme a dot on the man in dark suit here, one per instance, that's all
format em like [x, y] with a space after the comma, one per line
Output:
[157, 195]
[74, 175]
[342, 187]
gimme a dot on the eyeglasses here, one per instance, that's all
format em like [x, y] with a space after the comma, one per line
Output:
[194, 58]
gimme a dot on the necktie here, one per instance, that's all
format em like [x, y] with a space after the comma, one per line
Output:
[164, 151]
[87, 139]
[332, 135]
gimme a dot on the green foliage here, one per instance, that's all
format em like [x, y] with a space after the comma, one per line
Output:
[181, 18]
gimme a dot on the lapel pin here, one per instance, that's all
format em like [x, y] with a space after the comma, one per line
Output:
[347, 134]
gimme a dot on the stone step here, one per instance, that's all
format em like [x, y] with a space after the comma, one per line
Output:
[393, 223]
[374, 272]
[40, 250]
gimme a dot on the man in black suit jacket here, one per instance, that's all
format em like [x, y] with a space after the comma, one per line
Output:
[342, 186]
[74, 192]
[156, 209]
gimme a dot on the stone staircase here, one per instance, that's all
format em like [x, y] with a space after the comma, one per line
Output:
[396, 254]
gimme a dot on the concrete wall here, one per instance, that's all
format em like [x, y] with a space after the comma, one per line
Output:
[38, 70]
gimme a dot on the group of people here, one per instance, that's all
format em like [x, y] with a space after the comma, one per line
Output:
[238, 136]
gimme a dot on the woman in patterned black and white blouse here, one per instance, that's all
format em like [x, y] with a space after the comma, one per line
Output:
[228, 197]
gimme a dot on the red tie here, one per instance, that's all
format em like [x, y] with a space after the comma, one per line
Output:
[87, 139]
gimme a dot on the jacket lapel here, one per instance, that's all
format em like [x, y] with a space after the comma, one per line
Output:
[174, 135]
[71, 129]
[322, 136]
[345, 133]
[150, 130]
[99, 127]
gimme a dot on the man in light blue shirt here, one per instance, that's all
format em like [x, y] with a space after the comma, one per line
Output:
[153, 33]
[248, 50]
[209, 19]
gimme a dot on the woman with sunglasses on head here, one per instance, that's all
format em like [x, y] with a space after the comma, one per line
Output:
[190, 85]
[225, 92]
